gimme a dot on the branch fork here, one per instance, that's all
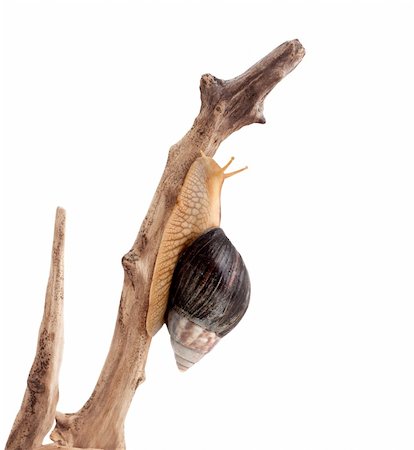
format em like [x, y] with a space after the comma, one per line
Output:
[226, 106]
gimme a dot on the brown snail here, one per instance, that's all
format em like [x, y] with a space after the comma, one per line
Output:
[209, 259]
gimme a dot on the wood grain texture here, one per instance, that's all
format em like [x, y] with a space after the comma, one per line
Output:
[37, 412]
[226, 106]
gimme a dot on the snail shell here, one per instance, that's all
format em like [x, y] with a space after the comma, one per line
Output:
[209, 294]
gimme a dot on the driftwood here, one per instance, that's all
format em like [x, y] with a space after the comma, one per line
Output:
[226, 106]
[37, 413]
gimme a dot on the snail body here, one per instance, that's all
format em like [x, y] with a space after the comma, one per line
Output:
[197, 209]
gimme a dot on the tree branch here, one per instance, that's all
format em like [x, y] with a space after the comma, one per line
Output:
[37, 413]
[226, 106]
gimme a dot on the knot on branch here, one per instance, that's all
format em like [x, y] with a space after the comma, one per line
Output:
[210, 89]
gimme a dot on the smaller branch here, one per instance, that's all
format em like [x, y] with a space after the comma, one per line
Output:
[37, 413]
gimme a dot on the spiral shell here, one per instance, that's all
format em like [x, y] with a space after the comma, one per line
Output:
[209, 295]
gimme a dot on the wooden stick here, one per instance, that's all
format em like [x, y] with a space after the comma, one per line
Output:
[226, 106]
[37, 413]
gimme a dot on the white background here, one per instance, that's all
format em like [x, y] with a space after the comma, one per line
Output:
[95, 93]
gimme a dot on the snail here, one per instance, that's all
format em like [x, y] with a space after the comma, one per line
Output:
[192, 234]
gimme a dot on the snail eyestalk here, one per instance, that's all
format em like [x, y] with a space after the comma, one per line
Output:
[230, 174]
[228, 164]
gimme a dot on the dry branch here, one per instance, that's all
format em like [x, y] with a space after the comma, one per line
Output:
[226, 106]
[37, 413]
